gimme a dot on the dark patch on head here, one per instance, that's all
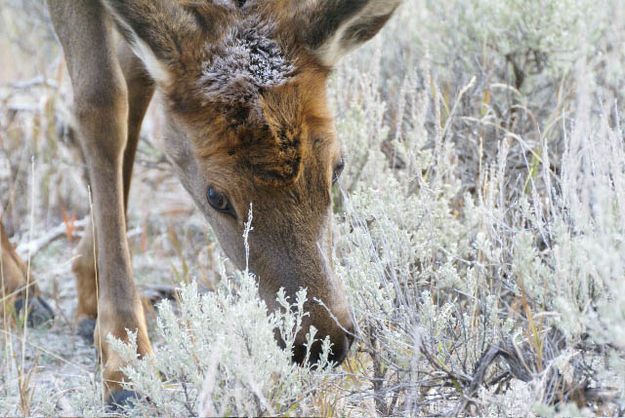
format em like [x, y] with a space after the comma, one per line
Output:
[277, 175]
[238, 115]
[241, 3]
[274, 158]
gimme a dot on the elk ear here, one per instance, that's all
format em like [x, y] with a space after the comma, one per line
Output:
[335, 27]
[156, 30]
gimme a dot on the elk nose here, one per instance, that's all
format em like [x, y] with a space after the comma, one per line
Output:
[340, 348]
[341, 344]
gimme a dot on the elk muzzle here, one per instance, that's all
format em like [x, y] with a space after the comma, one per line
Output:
[327, 308]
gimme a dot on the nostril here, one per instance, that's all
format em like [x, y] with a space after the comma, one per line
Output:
[340, 350]
[342, 340]
[299, 354]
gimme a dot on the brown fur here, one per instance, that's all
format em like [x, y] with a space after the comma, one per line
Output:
[243, 88]
[14, 276]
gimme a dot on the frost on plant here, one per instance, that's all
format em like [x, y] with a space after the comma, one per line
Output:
[218, 355]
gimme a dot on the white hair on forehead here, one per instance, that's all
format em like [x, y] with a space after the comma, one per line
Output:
[247, 61]
[225, 3]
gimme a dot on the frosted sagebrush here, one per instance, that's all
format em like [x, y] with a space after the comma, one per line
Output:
[219, 355]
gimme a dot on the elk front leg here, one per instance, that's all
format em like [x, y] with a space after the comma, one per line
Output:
[101, 108]
[140, 90]
[102, 123]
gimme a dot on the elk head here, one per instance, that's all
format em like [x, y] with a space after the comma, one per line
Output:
[243, 84]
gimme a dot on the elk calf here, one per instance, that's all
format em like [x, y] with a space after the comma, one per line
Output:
[243, 86]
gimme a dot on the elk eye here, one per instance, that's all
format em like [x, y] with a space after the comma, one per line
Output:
[338, 170]
[218, 201]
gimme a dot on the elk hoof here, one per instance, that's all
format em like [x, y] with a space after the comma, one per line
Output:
[154, 294]
[86, 327]
[39, 311]
[119, 399]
